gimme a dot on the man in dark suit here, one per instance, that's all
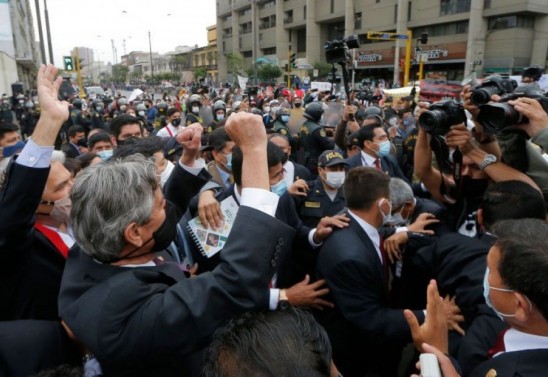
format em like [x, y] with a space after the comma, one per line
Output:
[375, 152]
[292, 170]
[298, 291]
[366, 334]
[76, 134]
[134, 308]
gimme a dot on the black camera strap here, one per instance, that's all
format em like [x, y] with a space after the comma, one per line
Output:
[457, 168]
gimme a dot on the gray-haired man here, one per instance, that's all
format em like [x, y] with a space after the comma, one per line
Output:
[131, 305]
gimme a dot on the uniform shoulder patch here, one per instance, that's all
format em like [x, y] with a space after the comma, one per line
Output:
[283, 131]
[322, 133]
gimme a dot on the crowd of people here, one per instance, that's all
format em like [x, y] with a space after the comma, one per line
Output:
[358, 233]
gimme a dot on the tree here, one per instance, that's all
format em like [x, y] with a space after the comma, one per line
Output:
[324, 69]
[235, 63]
[119, 73]
[179, 63]
[199, 72]
[268, 72]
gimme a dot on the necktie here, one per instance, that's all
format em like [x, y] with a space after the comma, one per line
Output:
[378, 164]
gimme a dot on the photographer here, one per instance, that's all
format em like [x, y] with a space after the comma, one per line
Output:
[478, 168]
[347, 125]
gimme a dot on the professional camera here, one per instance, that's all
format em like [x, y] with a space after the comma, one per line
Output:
[251, 91]
[494, 84]
[335, 51]
[441, 116]
[496, 116]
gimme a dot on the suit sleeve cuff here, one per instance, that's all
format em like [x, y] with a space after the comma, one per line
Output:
[311, 239]
[274, 296]
[401, 229]
[35, 156]
[262, 200]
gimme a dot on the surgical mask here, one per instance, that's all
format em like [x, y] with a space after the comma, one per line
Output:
[99, 109]
[141, 113]
[486, 289]
[393, 121]
[220, 117]
[10, 150]
[384, 148]
[385, 217]
[166, 173]
[284, 118]
[335, 179]
[61, 210]
[106, 154]
[228, 163]
[176, 122]
[123, 108]
[195, 109]
[279, 188]
[267, 109]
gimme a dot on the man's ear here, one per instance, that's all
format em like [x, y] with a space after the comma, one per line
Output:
[524, 307]
[133, 235]
[113, 141]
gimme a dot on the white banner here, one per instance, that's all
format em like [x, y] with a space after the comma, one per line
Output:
[242, 81]
[321, 86]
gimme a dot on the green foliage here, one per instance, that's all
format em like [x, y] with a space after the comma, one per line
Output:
[269, 72]
[199, 72]
[180, 63]
[235, 62]
[324, 69]
[120, 73]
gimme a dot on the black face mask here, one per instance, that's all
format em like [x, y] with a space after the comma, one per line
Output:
[166, 233]
[297, 105]
[473, 188]
[176, 122]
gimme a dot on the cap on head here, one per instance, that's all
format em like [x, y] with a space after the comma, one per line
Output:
[330, 158]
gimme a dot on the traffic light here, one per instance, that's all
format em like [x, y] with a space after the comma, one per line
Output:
[287, 67]
[69, 65]
[424, 38]
[292, 60]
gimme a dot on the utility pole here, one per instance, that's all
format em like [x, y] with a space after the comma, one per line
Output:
[150, 52]
[40, 33]
[48, 32]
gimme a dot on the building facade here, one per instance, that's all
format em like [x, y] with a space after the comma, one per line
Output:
[19, 54]
[484, 36]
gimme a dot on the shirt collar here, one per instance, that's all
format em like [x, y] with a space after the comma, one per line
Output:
[515, 340]
[224, 175]
[370, 230]
[369, 160]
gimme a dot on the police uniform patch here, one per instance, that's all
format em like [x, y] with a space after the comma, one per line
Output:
[322, 133]
[312, 204]
[491, 373]
[283, 131]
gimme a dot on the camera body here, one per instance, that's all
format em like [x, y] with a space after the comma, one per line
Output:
[441, 116]
[495, 117]
[336, 51]
[494, 84]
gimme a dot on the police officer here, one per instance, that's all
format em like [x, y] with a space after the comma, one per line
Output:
[141, 114]
[77, 117]
[219, 116]
[281, 126]
[313, 136]
[97, 115]
[19, 106]
[193, 105]
[28, 120]
[6, 115]
[161, 118]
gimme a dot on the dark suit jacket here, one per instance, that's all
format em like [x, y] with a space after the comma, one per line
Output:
[286, 213]
[301, 172]
[30, 266]
[389, 165]
[527, 363]
[143, 321]
[363, 329]
[71, 151]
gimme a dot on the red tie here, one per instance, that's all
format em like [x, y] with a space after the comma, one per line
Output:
[378, 164]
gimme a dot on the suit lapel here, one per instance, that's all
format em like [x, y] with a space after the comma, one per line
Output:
[367, 243]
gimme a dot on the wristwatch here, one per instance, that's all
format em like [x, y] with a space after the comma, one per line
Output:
[283, 302]
[488, 159]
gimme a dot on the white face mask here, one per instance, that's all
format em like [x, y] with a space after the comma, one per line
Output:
[335, 179]
[61, 210]
[166, 173]
[195, 109]
[385, 216]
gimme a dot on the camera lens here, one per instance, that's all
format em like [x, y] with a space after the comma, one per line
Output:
[481, 96]
[497, 116]
[433, 120]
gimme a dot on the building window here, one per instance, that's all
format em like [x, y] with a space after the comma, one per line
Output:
[301, 40]
[358, 21]
[462, 27]
[227, 32]
[288, 17]
[245, 28]
[247, 54]
[269, 51]
[409, 8]
[396, 14]
[486, 4]
[508, 22]
[267, 22]
[304, 12]
[245, 12]
[451, 28]
[454, 6]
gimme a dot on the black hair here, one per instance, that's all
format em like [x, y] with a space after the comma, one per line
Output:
[218, 139]
[120, 121]
[524, 259]
[147, 147]
[274, 155]
[73, 165]
[279, 343]
[7, 127]
[366, 133]
[363, 186]
[171, 111]
[86, 159]
[511, 200]
[64, 370]
[73, 130]
[99, 136]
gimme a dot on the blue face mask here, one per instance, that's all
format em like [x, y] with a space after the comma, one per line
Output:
[284, 118]
[279, 188]
[487, 288]
[106, 154]
[12, 149]
[384, 148]
[228, 164]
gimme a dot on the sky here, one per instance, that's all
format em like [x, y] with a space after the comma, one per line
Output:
[93, 24]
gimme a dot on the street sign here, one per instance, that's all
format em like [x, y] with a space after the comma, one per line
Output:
[67, 60]
[386, 36]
